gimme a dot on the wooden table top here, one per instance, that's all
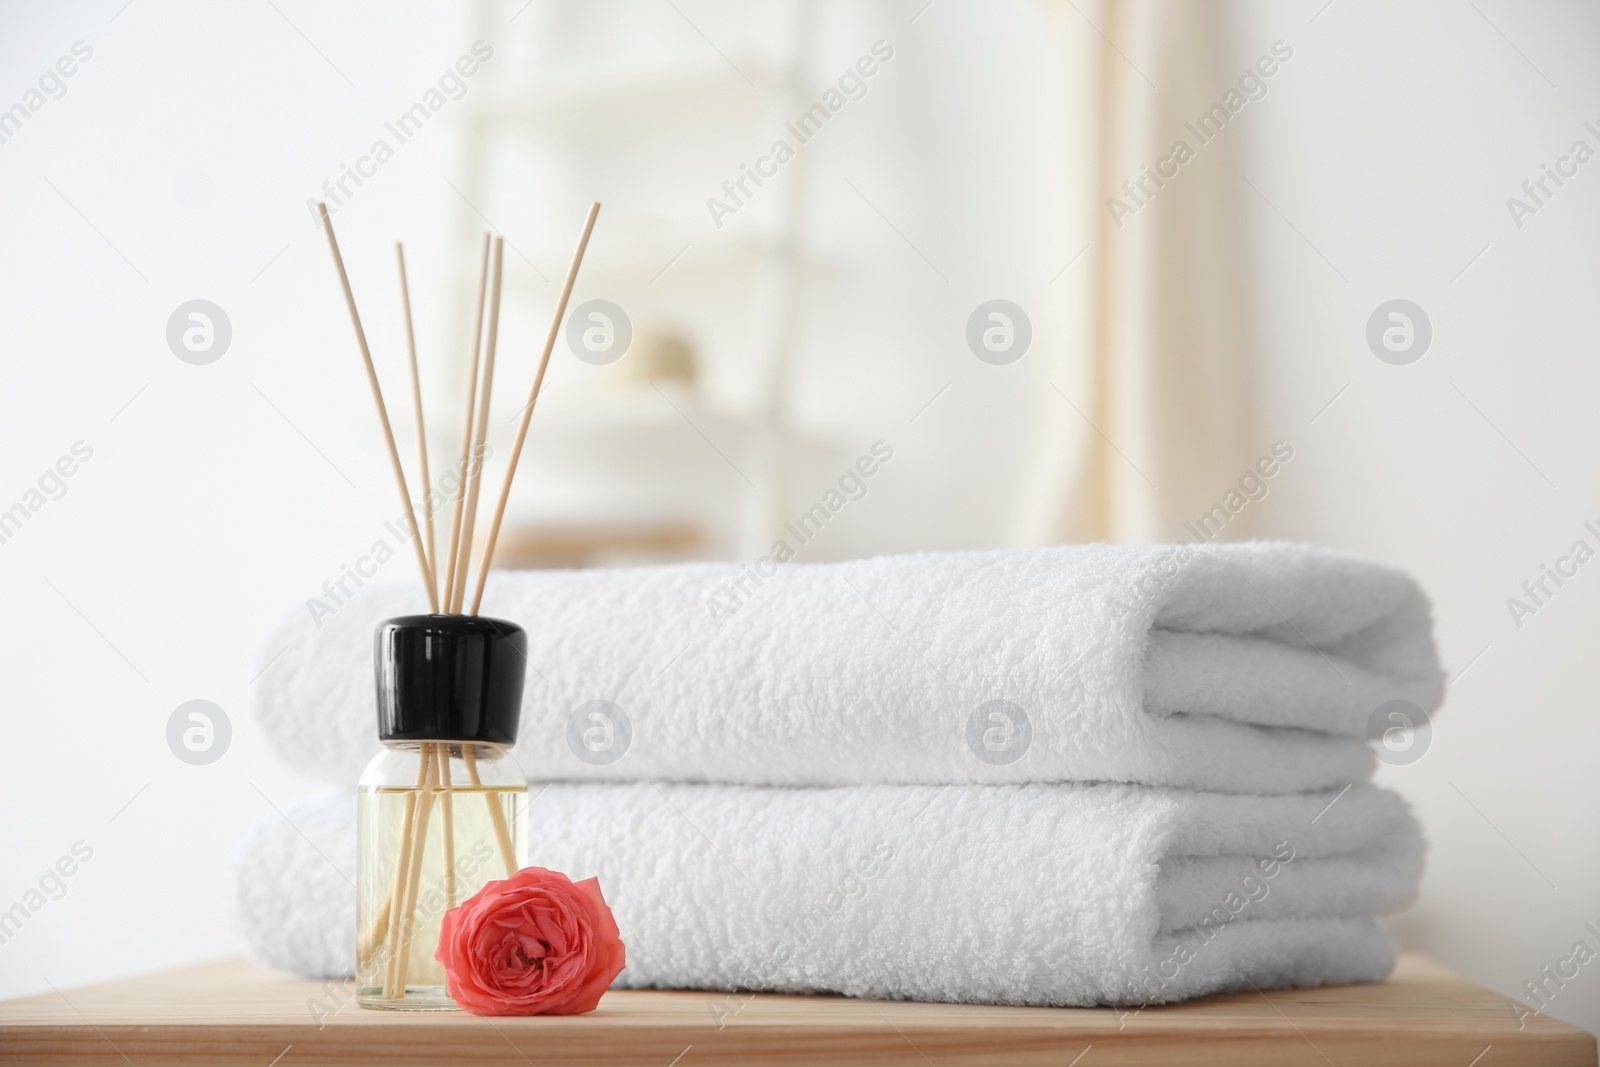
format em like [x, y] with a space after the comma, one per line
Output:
[232, 1013]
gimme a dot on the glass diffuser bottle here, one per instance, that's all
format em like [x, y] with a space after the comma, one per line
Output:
[441, 810]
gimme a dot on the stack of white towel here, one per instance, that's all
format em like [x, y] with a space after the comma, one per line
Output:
[1073, 776]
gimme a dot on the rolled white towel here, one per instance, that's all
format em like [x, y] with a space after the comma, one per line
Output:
[1248, 668]
[1049, 895]
[294, 887]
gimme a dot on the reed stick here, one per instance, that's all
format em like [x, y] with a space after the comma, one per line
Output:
[368, 942]
[383, 411]
[466, 431]
[502, 833]
[408, 907]
[402, 871]
[527, 412]
[480, 436]
[447, 817]
[416, 409]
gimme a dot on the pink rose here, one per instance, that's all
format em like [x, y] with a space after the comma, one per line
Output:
[536, 943]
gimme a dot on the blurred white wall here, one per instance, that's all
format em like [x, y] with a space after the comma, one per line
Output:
[1384, 158]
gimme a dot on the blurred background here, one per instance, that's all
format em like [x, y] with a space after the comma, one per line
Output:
[980, 245]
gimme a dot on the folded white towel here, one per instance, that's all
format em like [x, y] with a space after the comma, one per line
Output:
[1064, 895]
[1235, 668]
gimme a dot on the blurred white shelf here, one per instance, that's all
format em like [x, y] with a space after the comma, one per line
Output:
[603, 123]
[646, 263]
[585, 102]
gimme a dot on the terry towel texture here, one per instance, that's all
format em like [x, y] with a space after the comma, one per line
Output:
[1247, 668]
[1045, 895]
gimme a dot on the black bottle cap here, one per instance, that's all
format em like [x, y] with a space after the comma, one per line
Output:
[450, 678]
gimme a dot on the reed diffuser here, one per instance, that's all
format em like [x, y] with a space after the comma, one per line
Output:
[441, 811]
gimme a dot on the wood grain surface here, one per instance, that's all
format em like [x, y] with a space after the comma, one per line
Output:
[232, 1013]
